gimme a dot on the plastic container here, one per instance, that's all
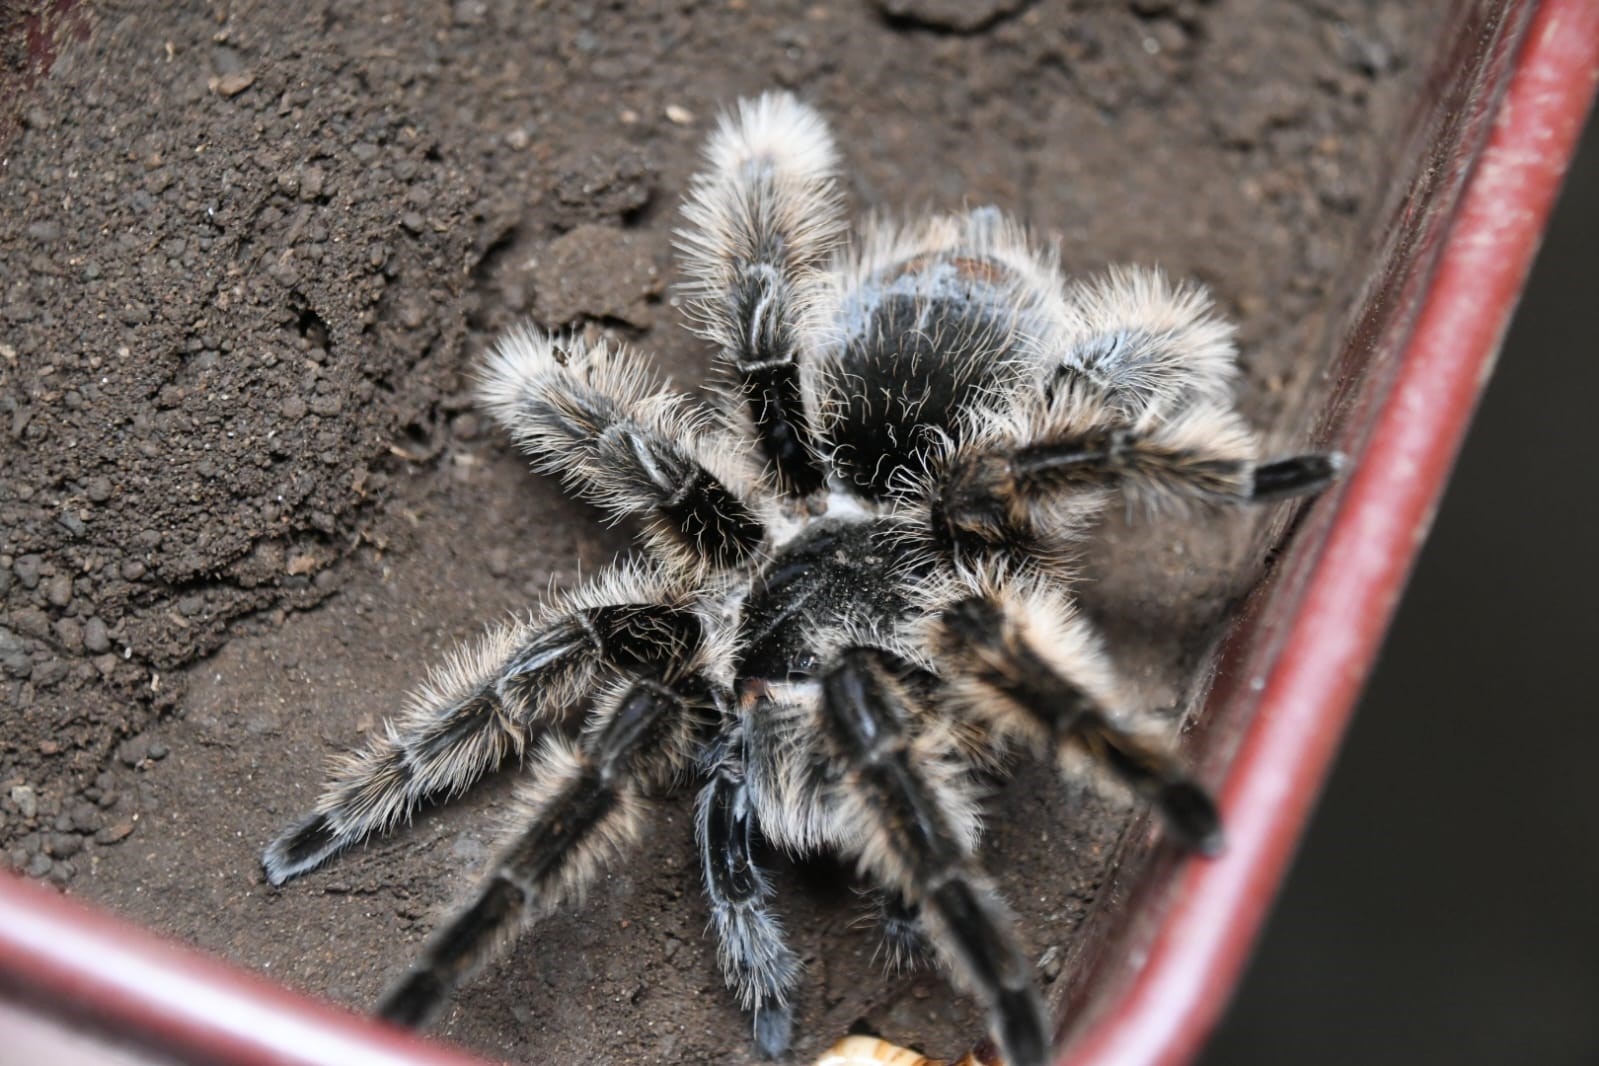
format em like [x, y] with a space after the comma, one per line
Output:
[1498, 123]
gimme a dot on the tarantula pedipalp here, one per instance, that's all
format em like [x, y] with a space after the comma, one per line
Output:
[853, 593]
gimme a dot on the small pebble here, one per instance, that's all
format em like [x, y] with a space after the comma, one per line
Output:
[1051, 962]
[59, 590]
[69, 634]
[14, 657]
[27, 803]
[32, 621]
[85, 817]
[27, 570]
[134, 750]
[64, 845]
[233, 84]
[47, 673]
[95, 638]
[312, 181]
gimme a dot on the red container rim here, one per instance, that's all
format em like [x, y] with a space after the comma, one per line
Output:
[84, 967]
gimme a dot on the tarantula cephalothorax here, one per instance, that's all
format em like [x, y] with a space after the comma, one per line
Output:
[854, 594]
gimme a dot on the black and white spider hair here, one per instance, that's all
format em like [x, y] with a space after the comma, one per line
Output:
[854, 590]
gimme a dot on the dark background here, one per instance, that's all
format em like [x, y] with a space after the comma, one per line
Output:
[1443, 907]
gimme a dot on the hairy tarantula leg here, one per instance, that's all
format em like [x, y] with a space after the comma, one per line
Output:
[582, 809]
[990, 495]
[1023, 661]
[481, 706]
[762, 218]
[592, 416]
[911, 842]
[756, 962]
[1119, 456]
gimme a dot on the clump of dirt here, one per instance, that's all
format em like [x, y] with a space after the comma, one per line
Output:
[247, 258]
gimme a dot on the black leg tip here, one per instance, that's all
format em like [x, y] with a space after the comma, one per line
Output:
[1191, 816]
[301, 849]
[1023, 1028]
[774, 1030]
[1299, 475]
[413, 1002]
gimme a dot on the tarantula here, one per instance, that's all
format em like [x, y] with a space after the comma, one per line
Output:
[854, 598]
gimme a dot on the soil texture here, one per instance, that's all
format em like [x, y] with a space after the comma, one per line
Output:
[249, 254]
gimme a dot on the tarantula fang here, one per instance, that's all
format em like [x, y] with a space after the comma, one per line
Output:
[854, 590]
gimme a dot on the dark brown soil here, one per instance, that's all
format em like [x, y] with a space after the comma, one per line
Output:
[247, 259]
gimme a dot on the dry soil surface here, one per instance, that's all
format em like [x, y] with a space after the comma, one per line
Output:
[248, 256]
